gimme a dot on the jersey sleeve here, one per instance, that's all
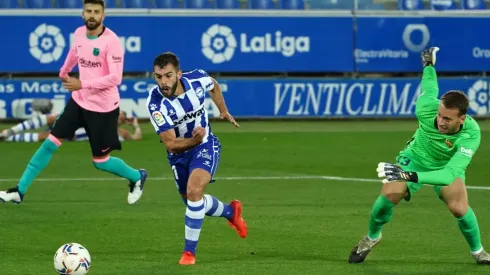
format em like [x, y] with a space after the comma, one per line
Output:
[70, 62]
[455, 167]
[159, 117]
[428, 103]
[205, 80]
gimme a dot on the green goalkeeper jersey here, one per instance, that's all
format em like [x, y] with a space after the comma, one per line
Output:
[445, 156]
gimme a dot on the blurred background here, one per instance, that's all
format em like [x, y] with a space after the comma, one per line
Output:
[316, 70]
[273, 58]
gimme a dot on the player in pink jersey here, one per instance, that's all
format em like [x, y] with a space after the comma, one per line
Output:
[94, 105]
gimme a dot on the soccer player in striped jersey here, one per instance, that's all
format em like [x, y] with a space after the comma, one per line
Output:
[177, 111]
[14, 134]
[437, 155]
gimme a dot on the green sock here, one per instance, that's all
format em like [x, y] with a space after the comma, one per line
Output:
[37, 163]
[469, 227]
[380, 215]
[118, 167]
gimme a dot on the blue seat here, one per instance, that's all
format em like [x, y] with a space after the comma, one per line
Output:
[408, 5]
[37, 4]
[331, 4]
[69, 4]
[371, 7]
[135, 4]
[368, 5]
[228, 4]
[166, 4]
[442, 5]
[109, 4]
[473, 4]
[261, 4]
[198, 4]
[293, 4]
[9, 4]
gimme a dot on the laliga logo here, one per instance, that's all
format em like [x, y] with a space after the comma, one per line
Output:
[46, 43]
[478, 97]
[407, 37]
[218, 44]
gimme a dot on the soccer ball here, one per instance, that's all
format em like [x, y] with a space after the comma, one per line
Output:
[72, 259]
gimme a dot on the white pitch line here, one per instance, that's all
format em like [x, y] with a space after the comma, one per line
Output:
[331, 178]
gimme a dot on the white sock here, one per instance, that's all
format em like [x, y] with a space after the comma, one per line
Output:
[26, 137]
[31, 124]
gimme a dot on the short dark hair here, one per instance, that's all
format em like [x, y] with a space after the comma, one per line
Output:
[456, 100]
[166, 58]
[99, 2]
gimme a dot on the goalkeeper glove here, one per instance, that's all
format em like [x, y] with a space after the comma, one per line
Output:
[429, 56]
[391, 172]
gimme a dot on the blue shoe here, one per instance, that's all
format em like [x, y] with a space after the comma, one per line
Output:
[136, 188]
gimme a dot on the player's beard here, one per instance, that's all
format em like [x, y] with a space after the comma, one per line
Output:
[92, 24]
[171, 90]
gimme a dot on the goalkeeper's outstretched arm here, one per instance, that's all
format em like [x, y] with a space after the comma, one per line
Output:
[454, 168]
[429, 84]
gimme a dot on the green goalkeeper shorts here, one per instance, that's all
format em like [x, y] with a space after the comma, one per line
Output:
[408, 163]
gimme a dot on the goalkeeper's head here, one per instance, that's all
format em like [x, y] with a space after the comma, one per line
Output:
[452, 112]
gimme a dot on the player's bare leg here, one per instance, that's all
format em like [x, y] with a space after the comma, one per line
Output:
[456, 199]
[195, 212]
[381, 213]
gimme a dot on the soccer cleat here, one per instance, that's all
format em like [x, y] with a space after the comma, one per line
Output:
[482, 258]
[12, 195]
[136, 188]
[361, 250]
[237, 221]
[187, 258]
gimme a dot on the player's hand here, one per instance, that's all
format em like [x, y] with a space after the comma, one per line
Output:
[228, 117]
[391, 172]
[198, 134]
[429, 56]
[71, 84]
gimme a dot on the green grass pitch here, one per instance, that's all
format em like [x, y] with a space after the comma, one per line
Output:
[299, 222]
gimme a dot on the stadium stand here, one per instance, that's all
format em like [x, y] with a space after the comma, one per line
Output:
[406, 5]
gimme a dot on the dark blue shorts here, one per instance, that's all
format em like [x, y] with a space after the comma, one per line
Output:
[205, 156]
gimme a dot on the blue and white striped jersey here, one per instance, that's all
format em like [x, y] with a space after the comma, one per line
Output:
[184, 112]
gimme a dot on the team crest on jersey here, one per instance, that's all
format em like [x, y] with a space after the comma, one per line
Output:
[449, 143]
[96, 51]
[158, 117]
[200, 92]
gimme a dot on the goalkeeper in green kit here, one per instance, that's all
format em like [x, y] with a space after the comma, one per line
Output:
[437, 154]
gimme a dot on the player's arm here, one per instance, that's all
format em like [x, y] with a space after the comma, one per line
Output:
[178, 145]
[137, 135]
[455, 167]
[126, 135]
[115, 61]
[164, 128]
[429, 84]
[217, 96]
[218, 99]
[70, 62]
